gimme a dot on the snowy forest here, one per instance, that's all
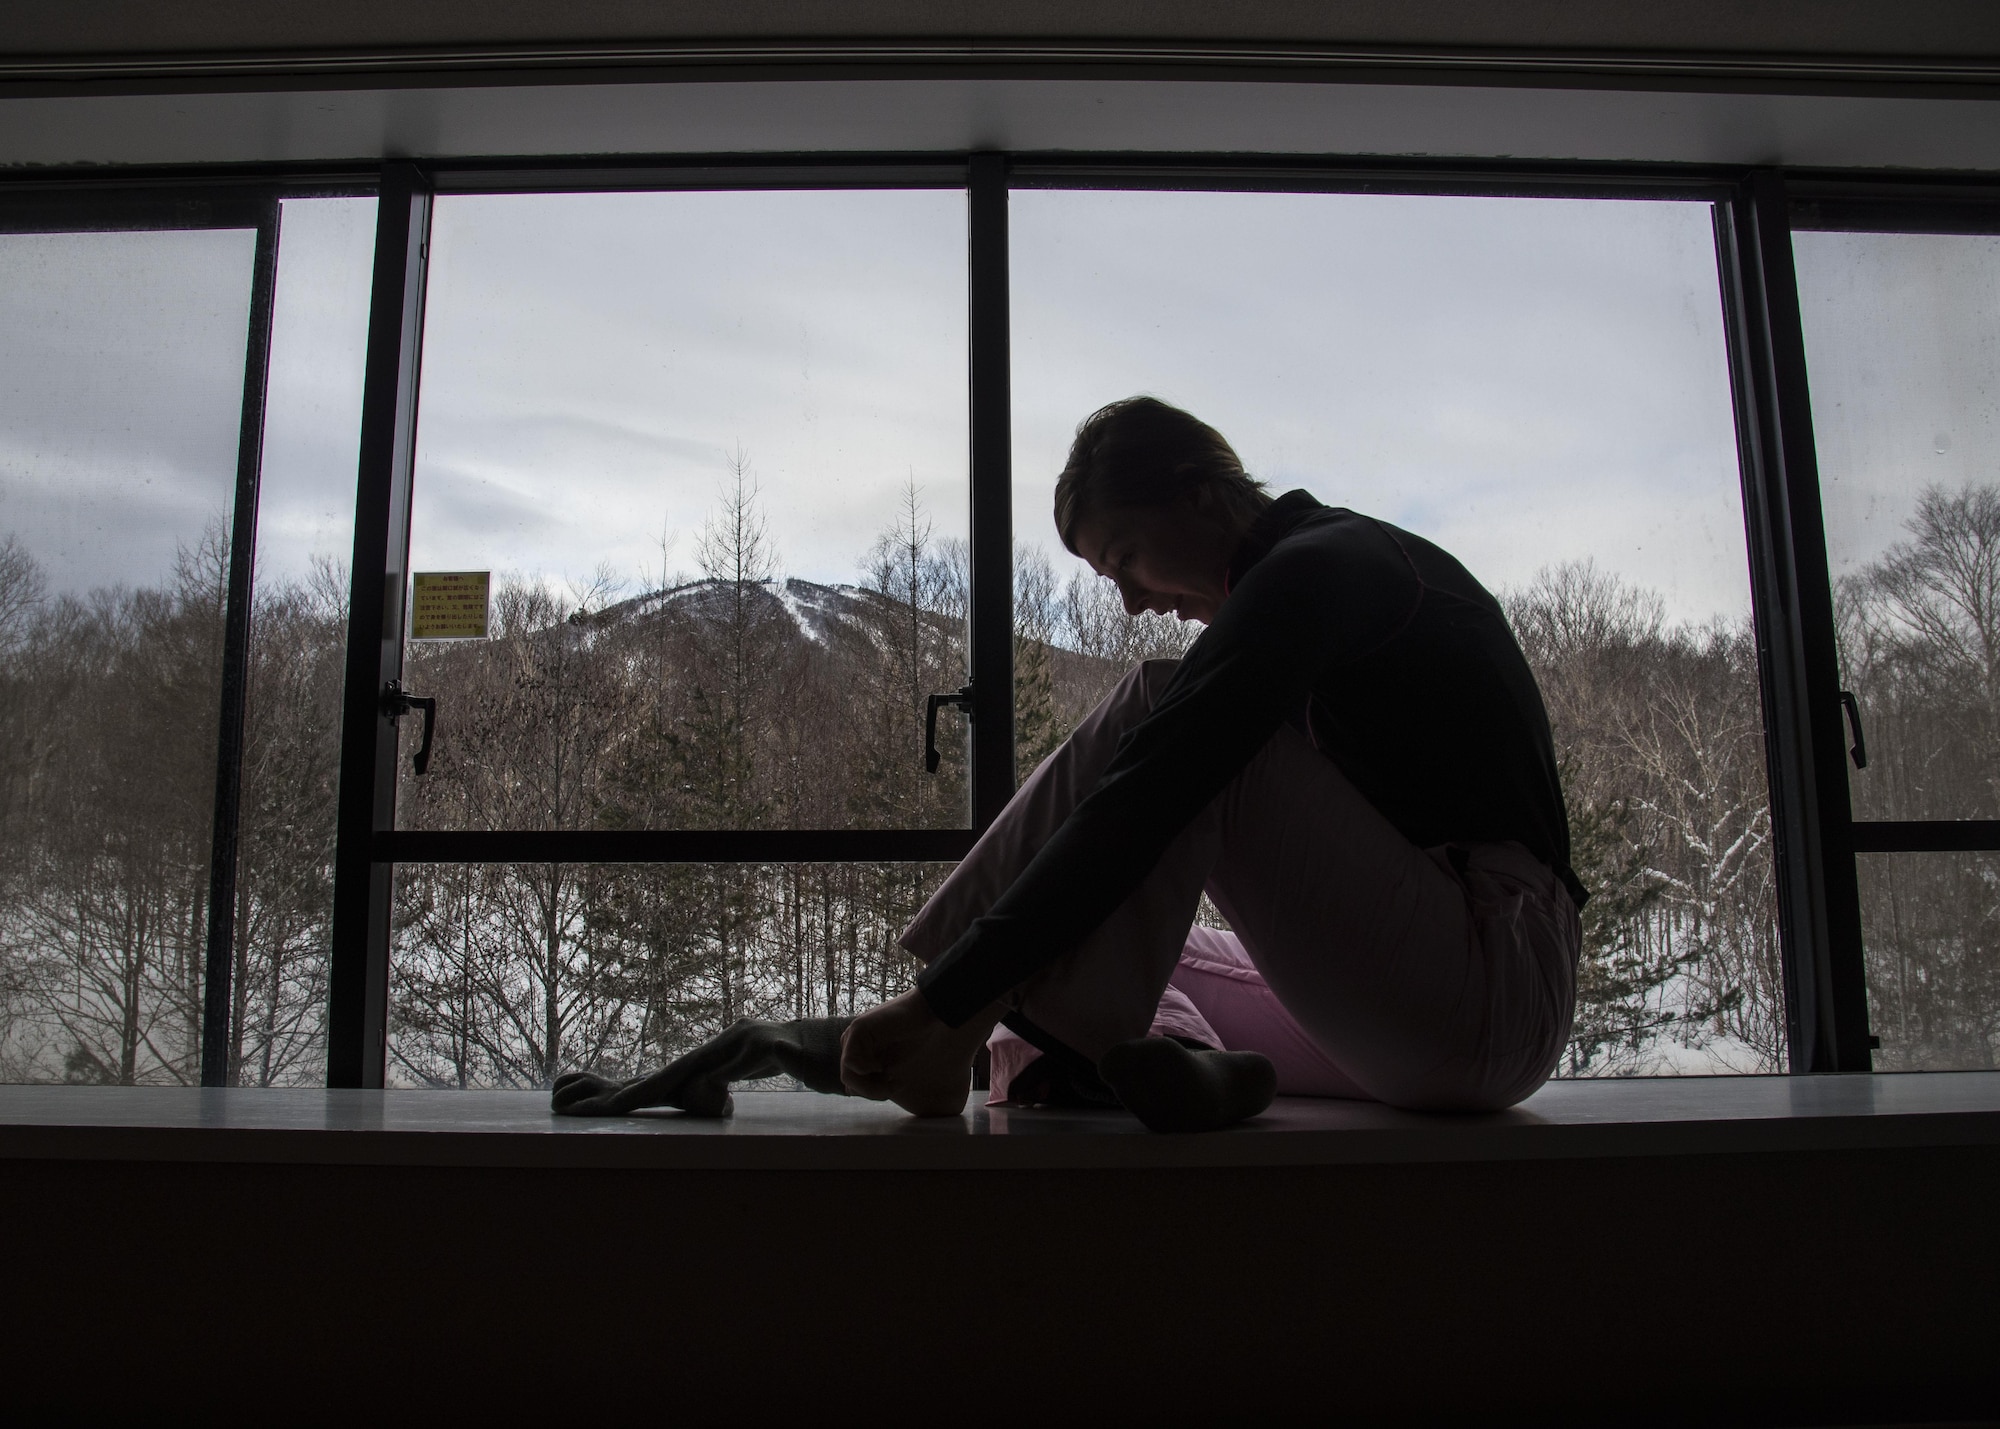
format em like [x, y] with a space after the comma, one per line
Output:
[734, 696]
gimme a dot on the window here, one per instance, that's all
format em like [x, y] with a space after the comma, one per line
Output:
[1930, 923]
[298, 638]
[507, 975]
[753, 464]
[143, 731]
[1901, 313]
[1539, 385]
[712, 448]
[701, 449]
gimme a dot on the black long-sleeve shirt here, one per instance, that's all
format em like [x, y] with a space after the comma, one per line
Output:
[1411, 681]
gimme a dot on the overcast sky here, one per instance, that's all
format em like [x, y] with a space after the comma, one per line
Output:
[1903, 344]
[1524, 381]
[121, 393]
[592, 363]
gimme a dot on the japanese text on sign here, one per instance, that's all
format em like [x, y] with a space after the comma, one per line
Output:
[449, 605]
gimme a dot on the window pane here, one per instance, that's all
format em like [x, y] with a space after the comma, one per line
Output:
[1931, 925]
[1542, 388]
[1903, 343]
[712, 449]
[121, 392]
[506, 975]
[298, 642]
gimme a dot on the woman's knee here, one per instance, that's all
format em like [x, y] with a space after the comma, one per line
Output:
[1131, 699]
[1142, 685]
[1157, 675]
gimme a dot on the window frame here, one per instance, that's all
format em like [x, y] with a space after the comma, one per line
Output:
[1816, 837]
[368, 845]
[1863, 204]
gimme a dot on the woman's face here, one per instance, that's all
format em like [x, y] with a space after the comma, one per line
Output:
[1172, 560]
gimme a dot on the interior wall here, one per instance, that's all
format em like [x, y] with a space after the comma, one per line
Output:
[1746, 1289]
[1832, 83]
[943, 115]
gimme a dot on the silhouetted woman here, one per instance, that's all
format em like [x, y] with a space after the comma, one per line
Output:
[1353, 761]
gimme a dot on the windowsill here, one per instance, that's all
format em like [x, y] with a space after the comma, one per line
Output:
[800, 1131]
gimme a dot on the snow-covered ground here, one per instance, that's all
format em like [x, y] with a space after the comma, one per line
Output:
[1720, 1056]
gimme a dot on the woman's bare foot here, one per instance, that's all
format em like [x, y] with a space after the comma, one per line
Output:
[900, 1052]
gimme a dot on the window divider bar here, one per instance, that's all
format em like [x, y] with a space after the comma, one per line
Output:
[358, 981]
[1355, 174]
[671, 845]
[1793, 809]
[696, 172]
[220, 954]
[127, 206]
[1819, 909]
[992, 470]
[1926, 835]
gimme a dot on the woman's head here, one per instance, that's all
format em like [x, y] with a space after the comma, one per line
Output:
[1143, 454]
[1157, 501]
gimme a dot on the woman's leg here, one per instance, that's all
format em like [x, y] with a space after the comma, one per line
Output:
[1220, 985]
[1015, 1065]
[1106, 991]
[1429, 979]
[1440, 978]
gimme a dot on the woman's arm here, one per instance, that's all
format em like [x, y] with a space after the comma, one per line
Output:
[1321, 598]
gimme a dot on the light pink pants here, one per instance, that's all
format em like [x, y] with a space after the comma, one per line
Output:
[1361, 964]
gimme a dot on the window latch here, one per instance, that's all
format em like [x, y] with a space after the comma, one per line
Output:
[963, 699]
[1858, 751]
[397, 702]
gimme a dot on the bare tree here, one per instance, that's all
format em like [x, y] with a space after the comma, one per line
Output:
[1039, 727]
[109, 917]
[1659, 739]
[1920, 647]
[284, 886]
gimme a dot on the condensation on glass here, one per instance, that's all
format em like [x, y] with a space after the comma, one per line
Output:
[121, 398]
[1903, 347]
[1930, 924]
[508, 975]
[1542, 388]
[712, 449]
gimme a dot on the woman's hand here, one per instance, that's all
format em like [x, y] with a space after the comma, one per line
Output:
[901, 1052]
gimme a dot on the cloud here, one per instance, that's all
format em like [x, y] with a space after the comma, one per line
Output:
[1524, 381]
[1903, 345]
[312, 420]
[121, 390]
[603, 358]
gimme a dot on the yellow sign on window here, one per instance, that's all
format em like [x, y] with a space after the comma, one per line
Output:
[449, 605]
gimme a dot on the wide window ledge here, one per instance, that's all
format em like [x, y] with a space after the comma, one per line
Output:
[800, 1131]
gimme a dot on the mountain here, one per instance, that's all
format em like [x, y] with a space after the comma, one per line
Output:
[815, 611]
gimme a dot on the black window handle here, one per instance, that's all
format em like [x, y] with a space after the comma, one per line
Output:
[397, 702]
[963, 699]
[1859, 751]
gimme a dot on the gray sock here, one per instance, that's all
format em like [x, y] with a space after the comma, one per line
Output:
[1173, 1087]
[698, 1083]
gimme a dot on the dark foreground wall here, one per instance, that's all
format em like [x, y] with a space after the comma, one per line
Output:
[1805, 1287]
